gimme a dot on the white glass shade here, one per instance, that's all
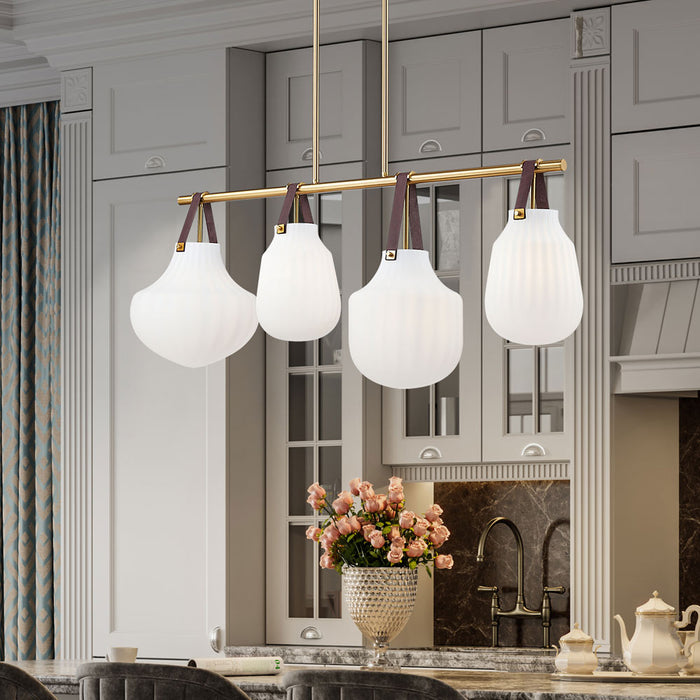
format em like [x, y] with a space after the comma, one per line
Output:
[298, 296]
[194, 313]
[533, 289]
[405, 325]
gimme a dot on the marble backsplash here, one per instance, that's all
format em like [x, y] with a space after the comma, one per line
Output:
[540, 510]
[689, 501]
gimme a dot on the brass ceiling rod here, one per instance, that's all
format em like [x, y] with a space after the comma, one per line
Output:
[546, 166]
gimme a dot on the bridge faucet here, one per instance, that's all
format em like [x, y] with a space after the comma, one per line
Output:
[520, 610]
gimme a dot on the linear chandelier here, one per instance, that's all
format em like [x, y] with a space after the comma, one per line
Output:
[534, 282]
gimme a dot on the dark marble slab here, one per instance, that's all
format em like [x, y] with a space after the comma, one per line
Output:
[540, 510]
[689, 501]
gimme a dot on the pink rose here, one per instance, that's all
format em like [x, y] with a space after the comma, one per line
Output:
[398, 543]
[421, 527]
[382, 500]
[317, 490]
[396, 494]
[355, 524]
[406, 519]
[376, 539]
[344, 526]
[439, 535]
[342, 504]
[394, 533]
[367, 531]
[313, 533]
[365, 490]
[315, 502]
[373, 505]
[444, 561]
[395, 482]
[433, 513]
[331, 532]
[389, 512]
[326, 562]
[416, 548]
[395, 555]
[355, 487]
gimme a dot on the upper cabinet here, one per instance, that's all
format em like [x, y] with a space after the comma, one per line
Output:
[161, 114]
[656, 54]
[435, 96]
[350, 79]
[655, 181]
[526, 85]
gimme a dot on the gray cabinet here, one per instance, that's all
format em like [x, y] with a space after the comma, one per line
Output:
[526, 85]
[528, 391]
[655, 185]
[349, 89]
[439, 424]
[656, 54]
[323, 424]
[435, 96]
[162, 114]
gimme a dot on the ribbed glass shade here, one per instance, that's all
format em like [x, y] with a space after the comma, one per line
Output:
[533, 289]
[298, 296]
[194, 314]
[405, 325]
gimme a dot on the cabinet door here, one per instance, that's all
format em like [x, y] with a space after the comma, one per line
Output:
[441, 423]
[434, 98]
[528, 401]
[348, 87]
[655, 182]
[323, 424]
[159, 472]
[526, 85]
[163, 114]
[655, 77]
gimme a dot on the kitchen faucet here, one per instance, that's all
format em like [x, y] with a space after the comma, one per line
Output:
[520, 610]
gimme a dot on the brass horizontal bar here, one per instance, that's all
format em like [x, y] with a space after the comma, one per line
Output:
[545, 166]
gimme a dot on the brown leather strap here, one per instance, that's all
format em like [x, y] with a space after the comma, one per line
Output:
[526, 180]
[397, 214]
[209, 217]
[304, 208]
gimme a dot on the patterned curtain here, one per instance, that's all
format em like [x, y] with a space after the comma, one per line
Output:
[29, 379]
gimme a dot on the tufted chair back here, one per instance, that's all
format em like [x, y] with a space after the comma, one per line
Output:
[118, 681]
[16, 684]
[350, 684]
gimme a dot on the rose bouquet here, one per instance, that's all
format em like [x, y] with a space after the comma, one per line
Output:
[378, 532]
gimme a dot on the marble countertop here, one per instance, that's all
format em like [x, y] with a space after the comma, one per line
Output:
[59, 677]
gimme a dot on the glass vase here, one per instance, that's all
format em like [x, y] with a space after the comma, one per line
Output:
[380, 601]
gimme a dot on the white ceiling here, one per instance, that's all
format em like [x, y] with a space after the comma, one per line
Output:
[75, 33]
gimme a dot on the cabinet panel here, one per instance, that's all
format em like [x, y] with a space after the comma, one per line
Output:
[348, 82]
[526, 85]
[323, 424]
[434, 96]
[528, 391]
[160, 114]
[440, 424]
[655, 80]
[159, 471]
[655, 181]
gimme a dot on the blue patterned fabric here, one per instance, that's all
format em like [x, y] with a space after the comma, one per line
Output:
[29, 379]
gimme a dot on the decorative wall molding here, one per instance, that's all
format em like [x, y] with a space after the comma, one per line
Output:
[525, 471]
[76, 90]
[655, 272]
[25, 78]
[590, 33]
[75, 640]
[590, 486]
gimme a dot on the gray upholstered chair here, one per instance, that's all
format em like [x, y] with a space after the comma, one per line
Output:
[117, 681]
[349, 684]
[16, 684]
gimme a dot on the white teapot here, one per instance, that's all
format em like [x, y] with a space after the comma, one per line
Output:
[576, 654]
[690, 640]
[655, 647]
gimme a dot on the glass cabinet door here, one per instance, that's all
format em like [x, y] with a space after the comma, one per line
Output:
[315, 432]
[440, 423]
[526, 413]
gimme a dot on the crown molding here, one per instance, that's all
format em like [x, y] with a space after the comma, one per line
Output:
[74, 33]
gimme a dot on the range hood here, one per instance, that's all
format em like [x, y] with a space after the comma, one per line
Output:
[656, 334]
